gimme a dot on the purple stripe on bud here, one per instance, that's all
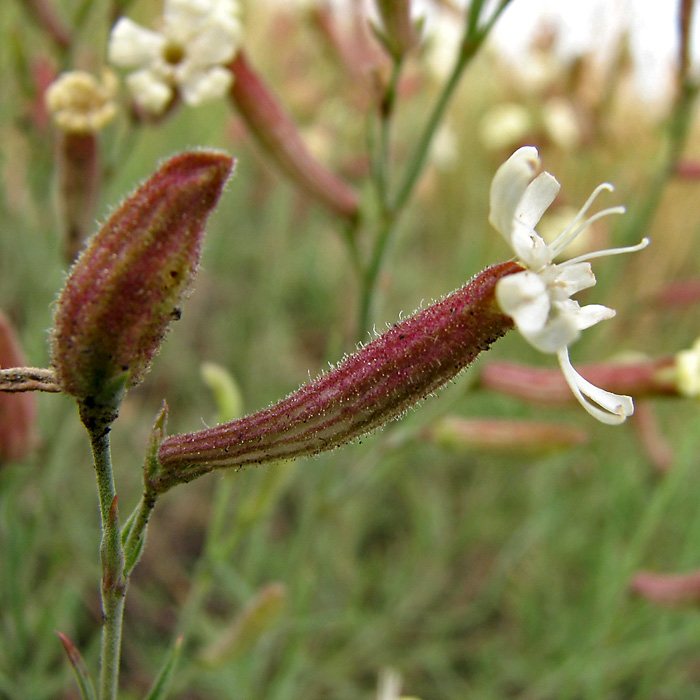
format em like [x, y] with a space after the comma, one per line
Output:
[367, 389]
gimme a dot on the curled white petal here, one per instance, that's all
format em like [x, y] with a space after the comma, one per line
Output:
[536, 199]
[589, 315]
[612, 409]
[508, 186]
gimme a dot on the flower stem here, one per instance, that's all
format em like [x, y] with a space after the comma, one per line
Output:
[474, 36]
[679, 124]
[113, 589]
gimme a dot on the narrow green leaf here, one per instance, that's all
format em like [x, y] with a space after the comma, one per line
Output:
[162, 682]
[82, 675]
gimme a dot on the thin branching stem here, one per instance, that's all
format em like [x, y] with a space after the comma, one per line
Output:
[391, 209]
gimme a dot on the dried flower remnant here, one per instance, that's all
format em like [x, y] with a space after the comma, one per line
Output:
[186, 57]
[366, 390]
[539, 298]
[125, 288]
[79, 103]
[17, 411]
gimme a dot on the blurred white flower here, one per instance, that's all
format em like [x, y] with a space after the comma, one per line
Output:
[505, 125]
[539, 298]
[196, 40]
[561, 123]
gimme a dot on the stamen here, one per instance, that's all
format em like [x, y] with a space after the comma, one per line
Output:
[610, 251]
[582, 227]
[564, 235]
[614, 408]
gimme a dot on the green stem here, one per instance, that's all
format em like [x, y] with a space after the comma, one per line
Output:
[113, 589]
[113, 582]
[640, 219]
[134, 532]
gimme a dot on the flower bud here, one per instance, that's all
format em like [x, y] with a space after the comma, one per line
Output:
[369, 388]
[279, 136]
[667, 589]
[126, 286]
[17, 411]
[645, 377]
[400, 32]
[503, 436]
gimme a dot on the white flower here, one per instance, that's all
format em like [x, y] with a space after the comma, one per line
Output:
[539, 298]
[197, 39]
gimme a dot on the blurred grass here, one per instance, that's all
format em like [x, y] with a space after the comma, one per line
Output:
[474, 575]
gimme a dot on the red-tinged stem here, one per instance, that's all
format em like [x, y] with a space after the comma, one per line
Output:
[44, 13]
[78, 166]
[279, 136]
[369, 388]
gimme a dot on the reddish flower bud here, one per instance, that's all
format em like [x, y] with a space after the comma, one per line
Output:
[548, 386]
[125, 288]
[17, 411]
[279, 136]
[504, 436]
[667, 589]
[369, 388]
[400, 33]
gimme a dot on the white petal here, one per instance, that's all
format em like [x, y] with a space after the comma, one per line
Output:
[529, 248]
[216, 45]
[536, 199]
[182, 19]
[570, 279]
[524, 298]
[591, 314]
[132, 46]
[559, 332]
[206, 85]
[614, 408]
[149, 91]
[508, 186]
